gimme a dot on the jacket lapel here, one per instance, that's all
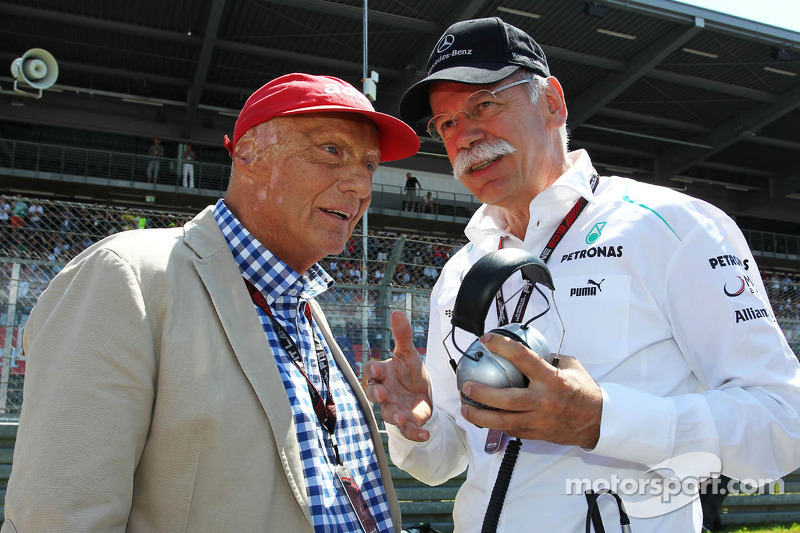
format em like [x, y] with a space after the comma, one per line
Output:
[366, 408]
[220, 274]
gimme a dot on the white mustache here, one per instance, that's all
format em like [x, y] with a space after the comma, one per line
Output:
[481, 153]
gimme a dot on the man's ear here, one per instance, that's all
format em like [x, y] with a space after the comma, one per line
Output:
[245, 152]
[556, 105]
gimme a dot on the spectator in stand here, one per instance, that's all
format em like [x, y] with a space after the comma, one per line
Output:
[155, 153]
[188, 166]
[97, 223]
[86, 241]
[61, 249]
[26, 291]
[67, 222]
[786, 282]
[333, 267]
[355, 272]
[35, 214]
[350, 248]
[128, 220]
[108, 223]
[431, 273]
[5, 216]
[428, 206]
[439, 256]
[411, 188]
[383, 255]
[18, 212]
[402, 276]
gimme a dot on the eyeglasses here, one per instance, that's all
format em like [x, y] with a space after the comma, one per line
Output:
[480, 105]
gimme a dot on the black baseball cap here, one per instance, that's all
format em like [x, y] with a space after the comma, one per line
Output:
[477, 52]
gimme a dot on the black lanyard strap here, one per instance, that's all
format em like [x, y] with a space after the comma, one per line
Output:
[568, 221]
[324, 409]
[558, 234]
[519, 310]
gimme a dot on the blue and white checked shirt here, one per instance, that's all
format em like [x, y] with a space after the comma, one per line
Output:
[287, 292]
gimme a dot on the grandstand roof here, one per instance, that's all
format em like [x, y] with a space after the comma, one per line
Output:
[656, 89]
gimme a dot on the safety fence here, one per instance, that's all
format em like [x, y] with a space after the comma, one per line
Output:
[149, 175]
[52, 161]
[375, 275]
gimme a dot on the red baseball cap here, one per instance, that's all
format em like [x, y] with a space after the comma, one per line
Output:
[294, 94]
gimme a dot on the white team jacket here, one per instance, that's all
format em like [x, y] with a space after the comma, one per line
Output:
[664, 305]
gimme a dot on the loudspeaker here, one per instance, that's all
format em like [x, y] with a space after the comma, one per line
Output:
[36, 68]
[476, 294]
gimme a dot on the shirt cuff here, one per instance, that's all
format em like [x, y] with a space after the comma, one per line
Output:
[635, 426]
[398, 440]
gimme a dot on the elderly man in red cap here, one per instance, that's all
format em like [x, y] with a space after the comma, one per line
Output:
[185, 379]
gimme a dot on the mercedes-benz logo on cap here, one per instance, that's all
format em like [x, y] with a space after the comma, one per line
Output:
[446, 42]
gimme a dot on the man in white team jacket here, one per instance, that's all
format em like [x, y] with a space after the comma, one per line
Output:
[678, 369]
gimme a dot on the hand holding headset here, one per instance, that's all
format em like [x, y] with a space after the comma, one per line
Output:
[478, 289]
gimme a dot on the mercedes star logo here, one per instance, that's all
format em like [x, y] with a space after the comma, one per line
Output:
[446, 42]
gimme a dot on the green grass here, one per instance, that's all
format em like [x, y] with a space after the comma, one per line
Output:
[764, 528]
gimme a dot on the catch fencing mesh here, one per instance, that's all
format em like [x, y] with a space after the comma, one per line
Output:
[375, 275]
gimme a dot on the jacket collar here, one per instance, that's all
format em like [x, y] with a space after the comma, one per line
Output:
[488, 223]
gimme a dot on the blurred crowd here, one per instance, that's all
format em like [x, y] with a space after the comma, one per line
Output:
[410, 261]
[37, 237]
[58, 231]
[784, 293]
[46, 231]
[49, 231]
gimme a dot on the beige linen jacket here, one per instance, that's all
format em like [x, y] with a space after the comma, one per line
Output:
[152, 402]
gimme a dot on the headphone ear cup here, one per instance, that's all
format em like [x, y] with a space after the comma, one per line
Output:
[511, 335]
[529, 337]
[481, 365]
[478, 289]
[514, 337]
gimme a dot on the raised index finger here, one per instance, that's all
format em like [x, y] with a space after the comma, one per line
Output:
[403, 335]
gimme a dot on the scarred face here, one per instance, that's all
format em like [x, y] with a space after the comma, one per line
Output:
[301, 183]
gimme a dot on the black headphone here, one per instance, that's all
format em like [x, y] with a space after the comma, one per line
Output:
[478, 290]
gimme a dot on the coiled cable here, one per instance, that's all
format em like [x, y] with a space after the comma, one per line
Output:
[500, 488]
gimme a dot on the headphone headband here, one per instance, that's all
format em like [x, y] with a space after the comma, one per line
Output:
[484, 279]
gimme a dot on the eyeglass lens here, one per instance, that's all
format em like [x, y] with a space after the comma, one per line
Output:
[480, 105]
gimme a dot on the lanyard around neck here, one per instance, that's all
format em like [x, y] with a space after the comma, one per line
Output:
[558, 235]
[324, 409]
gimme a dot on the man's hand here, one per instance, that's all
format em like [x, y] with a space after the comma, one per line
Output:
[561, 404]
[400, 385]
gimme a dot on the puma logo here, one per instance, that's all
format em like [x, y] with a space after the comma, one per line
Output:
[596, 284]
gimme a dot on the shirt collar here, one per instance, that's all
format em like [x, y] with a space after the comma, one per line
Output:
[271, 276]
[489, 221]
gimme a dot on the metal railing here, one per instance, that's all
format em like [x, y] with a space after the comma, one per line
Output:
[64, 163]
[774, 245]
[441, 205]
[101, 167]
